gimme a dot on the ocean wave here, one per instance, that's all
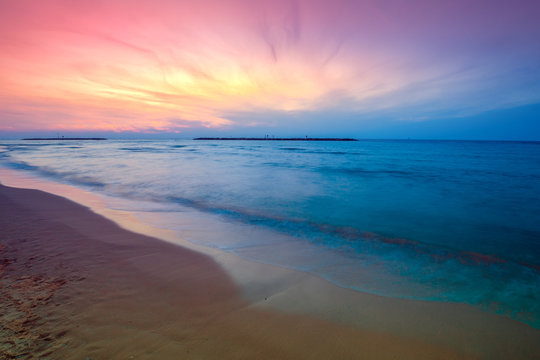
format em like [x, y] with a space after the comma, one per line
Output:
[292, 149]
[364, 171]
[333, 152]
[450, 227]
[332, 235]
[62, 176]
[141, 149]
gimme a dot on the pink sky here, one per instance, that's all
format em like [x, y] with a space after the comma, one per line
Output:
[164, 65]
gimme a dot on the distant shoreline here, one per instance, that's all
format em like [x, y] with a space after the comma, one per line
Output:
[276, 139]
[64, 138]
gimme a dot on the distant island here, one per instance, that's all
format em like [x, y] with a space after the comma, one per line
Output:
[277, 139]
[65, 138]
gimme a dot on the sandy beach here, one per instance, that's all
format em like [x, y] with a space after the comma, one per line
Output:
[75, 285]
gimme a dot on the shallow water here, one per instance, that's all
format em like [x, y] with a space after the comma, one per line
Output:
[434, 220]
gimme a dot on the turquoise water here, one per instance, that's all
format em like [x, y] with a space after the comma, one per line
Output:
[434, 220]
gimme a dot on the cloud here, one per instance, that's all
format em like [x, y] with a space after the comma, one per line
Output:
[125, 65]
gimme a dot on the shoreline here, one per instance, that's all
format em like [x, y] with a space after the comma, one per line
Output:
[294, 297]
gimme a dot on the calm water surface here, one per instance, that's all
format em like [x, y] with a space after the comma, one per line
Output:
[435, 220]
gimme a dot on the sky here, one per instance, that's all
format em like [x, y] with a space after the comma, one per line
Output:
[373, 68]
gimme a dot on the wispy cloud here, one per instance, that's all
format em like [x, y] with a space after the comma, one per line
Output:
[164, 64]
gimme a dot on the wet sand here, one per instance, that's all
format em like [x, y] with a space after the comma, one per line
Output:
[75, 285]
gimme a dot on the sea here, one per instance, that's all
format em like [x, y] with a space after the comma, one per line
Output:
[450, 221]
